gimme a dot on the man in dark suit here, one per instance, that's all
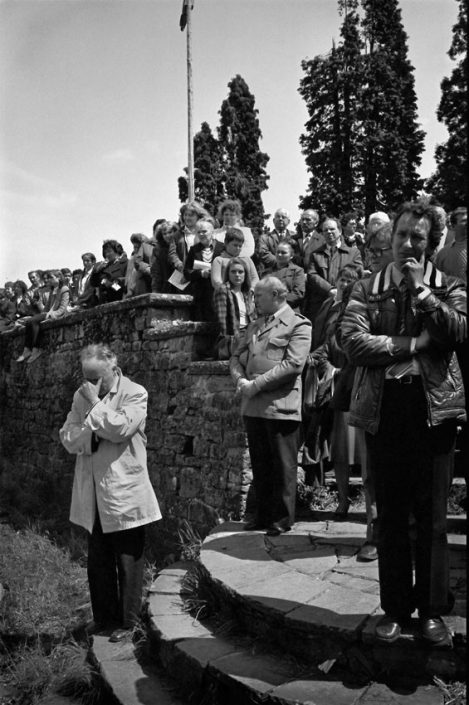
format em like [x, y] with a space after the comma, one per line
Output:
[324, 265]
[267, 366]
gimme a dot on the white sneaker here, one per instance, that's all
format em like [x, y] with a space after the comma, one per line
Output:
[37, 352]
[24, 355]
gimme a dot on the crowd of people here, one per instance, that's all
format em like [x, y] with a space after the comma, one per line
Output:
[346, 338]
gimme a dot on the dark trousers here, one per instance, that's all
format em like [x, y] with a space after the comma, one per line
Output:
[115, 575]
[411, 465]
[32, 330]
[273, 449]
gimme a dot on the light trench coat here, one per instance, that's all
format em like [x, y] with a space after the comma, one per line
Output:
[115, 477]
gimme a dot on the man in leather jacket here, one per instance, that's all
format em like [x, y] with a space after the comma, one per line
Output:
[400, 328]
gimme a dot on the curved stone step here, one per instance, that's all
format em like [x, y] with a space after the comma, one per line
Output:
[306, 591]
[221, 670]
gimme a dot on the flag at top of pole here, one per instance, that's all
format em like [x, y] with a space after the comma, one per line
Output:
[183, 18]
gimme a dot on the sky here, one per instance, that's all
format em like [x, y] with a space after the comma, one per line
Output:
[93, 108]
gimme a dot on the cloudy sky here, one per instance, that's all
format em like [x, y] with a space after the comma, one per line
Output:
[93, 126]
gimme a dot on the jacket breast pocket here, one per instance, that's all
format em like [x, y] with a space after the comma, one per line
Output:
[276, 348]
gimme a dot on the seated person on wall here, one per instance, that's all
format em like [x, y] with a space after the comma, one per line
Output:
[198, 269]
[161, 268]
[269, 241]
[290, 274]
[56, 307]
[22, 301]
[138, 276]
[87, 297]
[324, 265]
[109, 276]
[7, 310]
[38, 293]
[234, 305]
[229, 215]
[234, 241]
[112, 496]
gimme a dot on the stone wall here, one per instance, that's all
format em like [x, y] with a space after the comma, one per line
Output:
[197, 455]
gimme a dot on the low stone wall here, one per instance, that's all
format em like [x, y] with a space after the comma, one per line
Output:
[197, 454]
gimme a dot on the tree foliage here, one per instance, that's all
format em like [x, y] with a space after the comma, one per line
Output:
[208, 171]
[231, 165]
[362, 142]
[449, 183]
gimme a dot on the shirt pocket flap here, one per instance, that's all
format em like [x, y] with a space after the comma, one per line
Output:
[278, 342]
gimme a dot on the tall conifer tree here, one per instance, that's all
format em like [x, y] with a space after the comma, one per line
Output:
[392, 142]
[208, 171]
[362, 142]
[244, 164]
[449, 183]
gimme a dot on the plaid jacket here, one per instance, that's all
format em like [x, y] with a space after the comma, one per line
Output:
[227, 309]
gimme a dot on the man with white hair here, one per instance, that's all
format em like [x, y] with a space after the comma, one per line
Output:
[266, 366]
[268, 242]
[375, 221]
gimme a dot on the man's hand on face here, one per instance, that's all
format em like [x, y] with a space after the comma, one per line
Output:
[413, 271]
[90, 391]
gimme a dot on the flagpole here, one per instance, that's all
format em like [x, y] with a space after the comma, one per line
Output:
[190, 100]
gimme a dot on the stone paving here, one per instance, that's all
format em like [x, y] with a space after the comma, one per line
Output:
[307, 585]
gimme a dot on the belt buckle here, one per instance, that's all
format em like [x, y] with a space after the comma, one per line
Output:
[406, 379]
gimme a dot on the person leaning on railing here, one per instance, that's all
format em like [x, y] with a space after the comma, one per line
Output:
[56, 307]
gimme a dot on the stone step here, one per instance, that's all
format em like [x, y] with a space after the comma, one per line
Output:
[211, 666]
[306, 592]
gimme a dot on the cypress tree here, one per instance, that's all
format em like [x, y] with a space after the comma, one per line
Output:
[449, 183]
[208, 172]
[362, 142]
[245, 177]
[391, 140]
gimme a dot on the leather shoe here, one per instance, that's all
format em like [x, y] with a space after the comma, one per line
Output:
[434, 630]
[388, 630]
[367, 552]
[120, 635]
[277, 529]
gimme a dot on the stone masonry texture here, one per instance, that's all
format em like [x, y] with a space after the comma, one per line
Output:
[197, 454]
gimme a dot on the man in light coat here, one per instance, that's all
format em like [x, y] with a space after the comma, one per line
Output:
[267, 366]
[112, 496]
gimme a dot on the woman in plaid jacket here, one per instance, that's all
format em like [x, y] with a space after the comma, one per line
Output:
[233, 301]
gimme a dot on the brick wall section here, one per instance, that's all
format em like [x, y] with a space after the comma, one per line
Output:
[197, 454]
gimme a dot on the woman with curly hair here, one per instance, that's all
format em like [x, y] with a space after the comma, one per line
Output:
[56, 307]
[109, 276]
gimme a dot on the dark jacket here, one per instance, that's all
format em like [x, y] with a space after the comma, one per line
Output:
[201, 288]
[371, 339]
[294, 279]
[113, 272]
[322, 272]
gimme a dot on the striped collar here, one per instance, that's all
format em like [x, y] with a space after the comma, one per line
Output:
[390, 275]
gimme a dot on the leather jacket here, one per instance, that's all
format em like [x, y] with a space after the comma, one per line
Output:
[371, 338]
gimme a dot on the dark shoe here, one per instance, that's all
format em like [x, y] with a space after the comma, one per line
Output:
[368, 552]
[434, 630]
[388, 630]
[120, 635]
[277, 529]
[254, 526]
